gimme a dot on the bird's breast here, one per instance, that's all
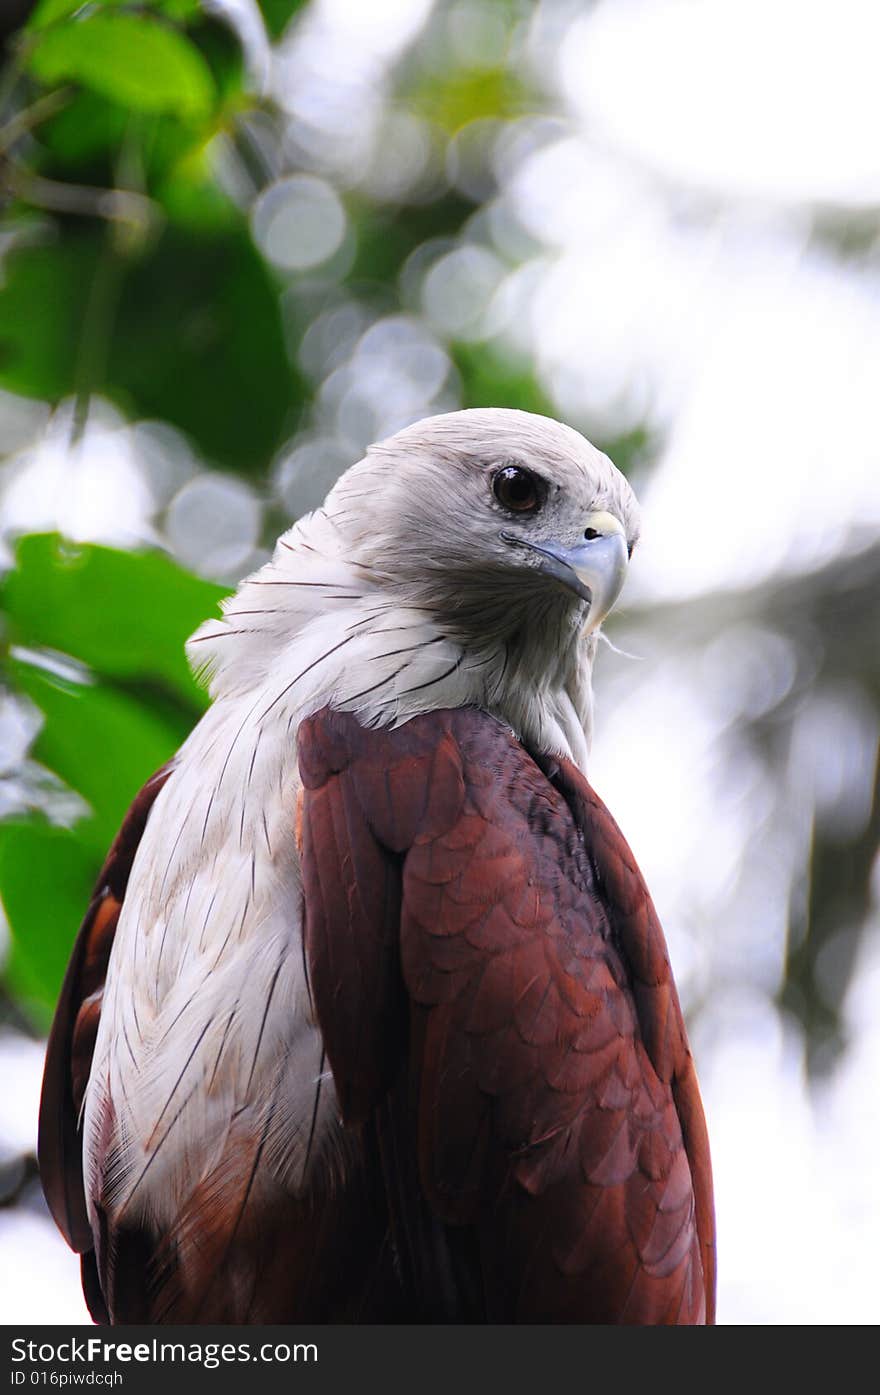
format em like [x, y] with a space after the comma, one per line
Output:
[207, 1040]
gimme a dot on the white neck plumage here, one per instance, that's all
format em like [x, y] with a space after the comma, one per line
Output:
[315, 627]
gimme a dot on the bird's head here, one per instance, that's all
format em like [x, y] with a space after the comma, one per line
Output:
[491, 518]
[468, 560]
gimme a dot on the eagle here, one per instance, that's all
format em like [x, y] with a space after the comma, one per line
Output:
[371, 1018]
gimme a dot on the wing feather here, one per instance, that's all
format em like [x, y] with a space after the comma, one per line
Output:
[75, 1026]
[506, 963]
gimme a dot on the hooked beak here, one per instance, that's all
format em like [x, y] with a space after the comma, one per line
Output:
[594, 569]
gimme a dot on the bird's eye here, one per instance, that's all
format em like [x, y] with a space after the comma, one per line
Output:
[518, 489]
[592, 533]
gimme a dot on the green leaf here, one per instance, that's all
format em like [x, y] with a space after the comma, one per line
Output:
[42, 307]
[191, 196]
[199, 343]
[126, 615]
[87, 128]
[132, 59]
[491, 378]
[197, 337]
[386, 236]
[46, 881]
[277, 14]
[51, 11]
[102, 743]
[221, 47]
[452, 99]
[179, 9]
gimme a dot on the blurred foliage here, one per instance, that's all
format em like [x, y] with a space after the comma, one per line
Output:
[824, 622]
[120, 614]
[133, 60]
[141, 145]
[492, 94]
[134, 147]
[277, 14]
[145, 284]
[95, 642]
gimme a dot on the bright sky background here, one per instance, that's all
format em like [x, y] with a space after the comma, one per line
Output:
[674, 277]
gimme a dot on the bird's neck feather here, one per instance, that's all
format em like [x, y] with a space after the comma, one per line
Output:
[313, 628]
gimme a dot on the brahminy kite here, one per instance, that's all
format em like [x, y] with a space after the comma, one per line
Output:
[371, 1018]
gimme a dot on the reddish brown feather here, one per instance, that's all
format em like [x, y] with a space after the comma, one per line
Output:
[660, 1015]
[354, 916]
[553, 1103]
[242, 1249]
[72, 1038]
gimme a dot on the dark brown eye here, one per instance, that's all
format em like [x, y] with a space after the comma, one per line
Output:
[518, 489]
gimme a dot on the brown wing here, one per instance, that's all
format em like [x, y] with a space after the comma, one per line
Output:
[72, 1043]
[523, 1061]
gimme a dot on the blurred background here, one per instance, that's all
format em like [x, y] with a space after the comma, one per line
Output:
[239, 241]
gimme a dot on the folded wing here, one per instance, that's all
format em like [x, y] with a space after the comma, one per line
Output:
[72, 1043]
[498, 1009]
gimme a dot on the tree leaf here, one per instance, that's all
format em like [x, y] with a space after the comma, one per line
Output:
[46, 880]
[87, 128]
[199, 343]
[101, 742]
[196, 340]
[180, 9]
[48, 12]
[41, 312]
[132, 59]
[126, 615]
[277, 14]
[491, 378]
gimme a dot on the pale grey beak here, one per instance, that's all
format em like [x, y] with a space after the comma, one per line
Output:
[595, 569]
